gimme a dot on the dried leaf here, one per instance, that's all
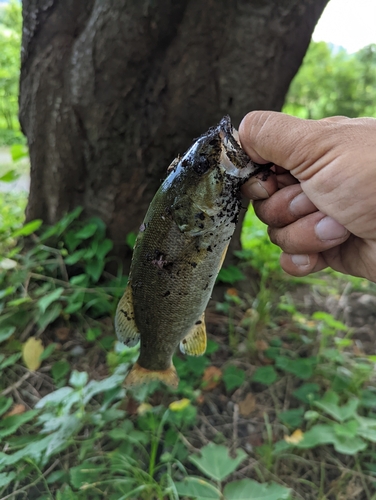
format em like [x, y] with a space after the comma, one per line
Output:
[62, 333]
[144, 408]
[31, 351]
[248, 405]
[16, 410]
[261, 345]
[211, 378]
[295, 437]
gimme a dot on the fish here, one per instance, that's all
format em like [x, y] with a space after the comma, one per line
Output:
[179, 251]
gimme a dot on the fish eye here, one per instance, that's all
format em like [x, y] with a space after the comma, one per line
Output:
[201, 164]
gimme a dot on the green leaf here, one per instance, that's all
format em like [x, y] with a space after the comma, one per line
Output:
[5, 404]
[79, 280]
[265, 375]
[131, 239]
[233, 377]
[28, 228]
[247, 489]
[301, 367]
[93, 333]
[216, 462]
[56, 397]
[211, 347]
[197, 488]
[60, 369]
[230, 274]
[103, 248]
[85, 473]
[325, 434]
[78, 379]
[47, 351]
[87, 231]
[292, 418]
[57, 476]
[10, 360]
[330, 321]
[18, 151]
[6, 478]
[48, 299]
[94, 269]
[6, 332]
[346, 429]
[9, 176]
[307, 392]
[9, 425]
[75, 257]
[329, 403]
[49, 316]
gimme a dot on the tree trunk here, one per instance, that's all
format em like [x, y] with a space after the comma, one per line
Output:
[113, 90]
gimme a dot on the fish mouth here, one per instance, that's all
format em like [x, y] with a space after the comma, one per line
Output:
[233, 159]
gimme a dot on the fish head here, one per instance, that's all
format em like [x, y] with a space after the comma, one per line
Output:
[215, 166]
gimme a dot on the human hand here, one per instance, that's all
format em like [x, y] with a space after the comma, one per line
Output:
[320, 205]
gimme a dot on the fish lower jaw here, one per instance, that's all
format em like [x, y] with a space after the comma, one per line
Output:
[234, 171]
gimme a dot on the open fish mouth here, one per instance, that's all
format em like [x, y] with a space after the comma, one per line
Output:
[233, 159]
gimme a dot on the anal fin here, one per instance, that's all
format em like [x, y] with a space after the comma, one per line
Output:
[125, 325]
[139, 375]
[194, 343]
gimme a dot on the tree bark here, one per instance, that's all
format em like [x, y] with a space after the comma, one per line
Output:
[112, 90]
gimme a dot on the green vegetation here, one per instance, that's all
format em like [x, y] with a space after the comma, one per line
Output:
[10, 51]
[281, 406]
[332, 82]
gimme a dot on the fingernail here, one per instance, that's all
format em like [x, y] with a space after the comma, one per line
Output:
[329, 229]
[301, 260]
[257, 191]
[301, 205]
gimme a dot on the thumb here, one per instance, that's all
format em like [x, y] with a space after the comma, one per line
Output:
[292, 143]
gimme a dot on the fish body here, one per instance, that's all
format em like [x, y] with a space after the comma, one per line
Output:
[179, 251]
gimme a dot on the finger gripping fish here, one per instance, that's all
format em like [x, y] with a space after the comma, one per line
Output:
[179, 251]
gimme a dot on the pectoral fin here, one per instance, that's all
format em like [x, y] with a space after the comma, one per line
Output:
[125, 325]
[194, 343]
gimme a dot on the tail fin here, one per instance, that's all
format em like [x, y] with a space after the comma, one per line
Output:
[139, 375]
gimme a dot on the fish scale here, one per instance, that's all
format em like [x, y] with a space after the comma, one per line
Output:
[179, 251]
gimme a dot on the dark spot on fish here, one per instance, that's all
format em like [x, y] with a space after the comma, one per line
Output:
[193, 264]
[200, 215]
[210, 276]
[160, 261]
[209, 249]
[206, 286]
[129, 318]
[198, 322]
[185, 163]
[184, 341]
[201, 226]
[166, 294]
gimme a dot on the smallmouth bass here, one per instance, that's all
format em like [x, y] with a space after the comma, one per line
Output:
[179, 251]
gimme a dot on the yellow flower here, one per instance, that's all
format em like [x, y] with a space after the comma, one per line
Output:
[295, 437]
[179, 405]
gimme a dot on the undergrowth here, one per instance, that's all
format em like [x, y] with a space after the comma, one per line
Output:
[282, 405]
